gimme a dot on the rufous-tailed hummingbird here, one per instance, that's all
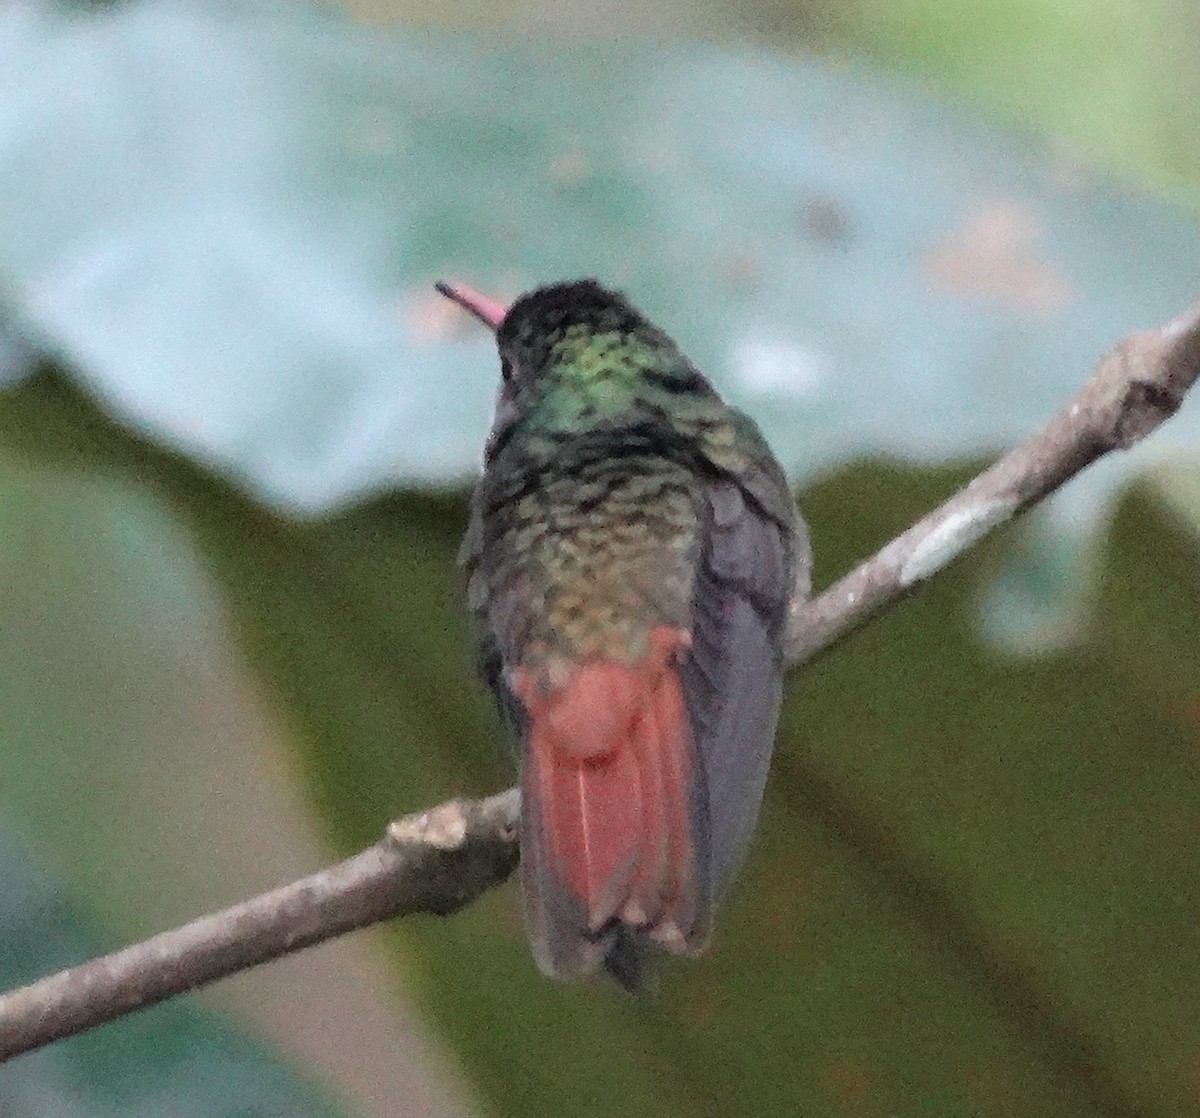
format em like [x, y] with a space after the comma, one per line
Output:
[632, 552]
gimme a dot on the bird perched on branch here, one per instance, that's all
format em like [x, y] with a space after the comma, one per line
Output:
[631, 556]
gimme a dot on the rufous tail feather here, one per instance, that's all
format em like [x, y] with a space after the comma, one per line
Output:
[610, 784]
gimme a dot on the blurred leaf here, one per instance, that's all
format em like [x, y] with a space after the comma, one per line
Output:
[1039, 819]
[227, 218]
[973, 891]
[149, 773]
[1113, 79]
[974, 888]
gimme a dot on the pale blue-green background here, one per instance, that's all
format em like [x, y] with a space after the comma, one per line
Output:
[230, 622]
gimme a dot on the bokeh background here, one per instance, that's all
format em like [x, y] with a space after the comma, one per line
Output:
[236, 434]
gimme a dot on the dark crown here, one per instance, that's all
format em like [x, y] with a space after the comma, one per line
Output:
[548, 310]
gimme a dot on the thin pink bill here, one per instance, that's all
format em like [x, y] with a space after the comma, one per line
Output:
[490, 312]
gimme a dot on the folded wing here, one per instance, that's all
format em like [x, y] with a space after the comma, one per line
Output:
[733, 676]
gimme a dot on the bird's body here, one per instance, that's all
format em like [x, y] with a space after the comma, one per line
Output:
[632, 552]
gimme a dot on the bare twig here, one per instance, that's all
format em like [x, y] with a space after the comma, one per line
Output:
[436, 861]
[1136, 387]
[440, 860]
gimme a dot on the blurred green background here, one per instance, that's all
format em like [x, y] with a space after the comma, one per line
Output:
[236, 439]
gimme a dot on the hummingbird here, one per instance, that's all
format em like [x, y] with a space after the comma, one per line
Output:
[631, 557]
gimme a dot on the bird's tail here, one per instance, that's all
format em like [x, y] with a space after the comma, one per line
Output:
[614, 841]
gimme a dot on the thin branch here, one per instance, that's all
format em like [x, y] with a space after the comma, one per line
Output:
[436, 862]
[440, 860]
[1136, 387]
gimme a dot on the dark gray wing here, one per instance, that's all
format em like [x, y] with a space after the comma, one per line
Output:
[732, 677]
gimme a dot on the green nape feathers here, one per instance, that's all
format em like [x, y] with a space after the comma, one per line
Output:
[577, 353]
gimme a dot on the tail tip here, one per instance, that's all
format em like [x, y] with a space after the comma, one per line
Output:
[629, 963]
